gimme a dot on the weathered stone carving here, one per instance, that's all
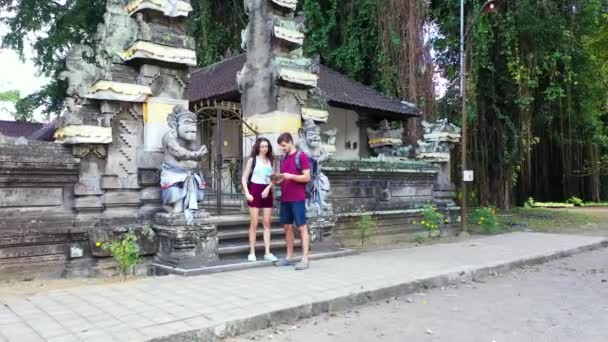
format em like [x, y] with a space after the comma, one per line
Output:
[144, 31]
[387, 141]
[187, 239]
[186, 246]
[169, 8]
[319, 186]
[80, 73]
[439, 138]
[181, 181]
[321, 218]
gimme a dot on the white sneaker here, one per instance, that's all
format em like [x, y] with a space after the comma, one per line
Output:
[252, 258]
[270, 257]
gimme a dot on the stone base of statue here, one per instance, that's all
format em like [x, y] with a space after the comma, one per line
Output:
[321, 224]
[182, 246]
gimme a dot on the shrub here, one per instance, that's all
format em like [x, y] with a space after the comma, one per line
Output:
[432, 219]
[126, 253]
[529, 203]
[366, 225]
[485, 218]
[576, 201]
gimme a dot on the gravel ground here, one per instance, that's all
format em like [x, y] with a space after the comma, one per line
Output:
[564, 300]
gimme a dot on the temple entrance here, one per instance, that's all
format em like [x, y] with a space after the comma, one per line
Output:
[221, 130]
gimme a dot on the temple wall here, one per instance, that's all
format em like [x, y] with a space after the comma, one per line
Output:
[35, 178]
[37, 224]
[393, 197]
[377, 190]
[46, 232]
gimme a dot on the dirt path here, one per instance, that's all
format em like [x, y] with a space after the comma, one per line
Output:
[564, 300]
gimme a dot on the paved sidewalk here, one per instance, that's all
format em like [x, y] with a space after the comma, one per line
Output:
[210, 307]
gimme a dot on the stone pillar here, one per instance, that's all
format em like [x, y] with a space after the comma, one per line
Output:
[277, 82]
[444, 191]
[439, 138]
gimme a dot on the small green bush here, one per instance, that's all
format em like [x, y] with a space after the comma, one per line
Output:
[126, 253]
[366, 225]
[432, 219]
[529, 203]
[485, 218]
[576, 201]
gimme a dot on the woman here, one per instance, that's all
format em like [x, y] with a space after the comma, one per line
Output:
[258, 191]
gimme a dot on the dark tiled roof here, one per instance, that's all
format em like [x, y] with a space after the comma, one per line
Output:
[218, 81]
[18, 129]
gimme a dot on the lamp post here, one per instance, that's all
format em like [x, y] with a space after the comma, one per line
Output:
[489, 6]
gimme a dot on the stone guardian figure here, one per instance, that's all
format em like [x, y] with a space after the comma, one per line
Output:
[181, 181]
[318, 188]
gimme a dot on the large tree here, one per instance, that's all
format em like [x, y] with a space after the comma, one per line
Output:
[52, 27]
[378, 42]
[538, 95]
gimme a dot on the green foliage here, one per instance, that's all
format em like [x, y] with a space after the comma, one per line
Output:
[10, 96]
[346, 36]
[485, 218]
[552, 205]
[577, 202]
[125, 252]
[549, 220]
[432, 219]
[54, 28]
[366, 225]
[7, 101]
[537, 90]
[529, 203]
[216, 26]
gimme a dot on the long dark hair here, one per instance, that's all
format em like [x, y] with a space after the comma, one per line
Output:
[255, 150]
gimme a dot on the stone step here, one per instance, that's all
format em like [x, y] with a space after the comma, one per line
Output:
[230, 221]
[226, 234]
[243, 247]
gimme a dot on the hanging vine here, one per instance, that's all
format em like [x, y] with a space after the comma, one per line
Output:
[537, 94]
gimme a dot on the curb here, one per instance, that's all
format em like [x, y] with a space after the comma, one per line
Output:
[165, 270]
[243, 325]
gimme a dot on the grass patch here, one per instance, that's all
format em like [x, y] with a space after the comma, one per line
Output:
[552, 205]
[548, 220]
[595, 204]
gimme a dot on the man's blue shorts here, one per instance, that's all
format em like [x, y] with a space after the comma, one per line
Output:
[293, 213]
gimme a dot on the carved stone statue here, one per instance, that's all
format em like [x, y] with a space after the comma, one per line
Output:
[387, 141]
[319, 186]
[439, 137]
[181, 182]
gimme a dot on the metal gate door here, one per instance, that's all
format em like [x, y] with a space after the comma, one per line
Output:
[221, 129]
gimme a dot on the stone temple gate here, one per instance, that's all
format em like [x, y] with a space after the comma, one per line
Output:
[59, 201]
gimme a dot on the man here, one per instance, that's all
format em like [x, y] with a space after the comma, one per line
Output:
[294, 177]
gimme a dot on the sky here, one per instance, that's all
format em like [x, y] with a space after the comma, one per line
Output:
[16, 74]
